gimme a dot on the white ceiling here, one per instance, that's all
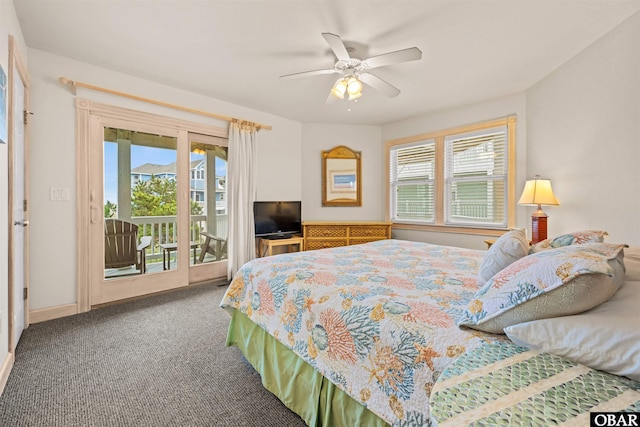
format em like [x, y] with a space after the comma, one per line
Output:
[236, 50]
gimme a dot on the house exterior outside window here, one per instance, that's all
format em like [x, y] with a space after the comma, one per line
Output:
[197, 183]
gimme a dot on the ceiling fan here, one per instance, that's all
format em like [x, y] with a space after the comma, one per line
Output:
[353, 71]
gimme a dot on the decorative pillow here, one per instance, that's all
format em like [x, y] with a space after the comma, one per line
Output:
[606, 338]
[509, 248]
[556, 282]
[575, 238]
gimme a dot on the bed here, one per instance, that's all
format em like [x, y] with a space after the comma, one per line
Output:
[503, 384]
[359, 335]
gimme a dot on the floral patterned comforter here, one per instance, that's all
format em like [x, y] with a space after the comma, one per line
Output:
[378, 319]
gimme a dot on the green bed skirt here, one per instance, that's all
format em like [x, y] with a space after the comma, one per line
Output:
[298, 385]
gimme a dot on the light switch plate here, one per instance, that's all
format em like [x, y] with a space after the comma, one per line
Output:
[59, 193]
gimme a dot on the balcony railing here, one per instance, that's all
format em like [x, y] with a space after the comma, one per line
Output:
[164, 229]
[420, 210]
[470, 209]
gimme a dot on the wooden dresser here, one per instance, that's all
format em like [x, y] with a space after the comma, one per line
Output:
[331, 234]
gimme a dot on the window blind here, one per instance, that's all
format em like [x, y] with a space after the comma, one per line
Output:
[412, 183]
[476, 178]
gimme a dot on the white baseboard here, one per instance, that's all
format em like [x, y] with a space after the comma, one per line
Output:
[5, 370]
[50, 313]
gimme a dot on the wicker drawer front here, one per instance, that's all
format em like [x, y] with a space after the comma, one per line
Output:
[360, 241]
[322, 244]
[326, 231]
[368, 231]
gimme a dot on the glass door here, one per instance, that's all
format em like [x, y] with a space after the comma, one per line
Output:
[140, 203]
[136, 216]
[208, 205]
[152, 213]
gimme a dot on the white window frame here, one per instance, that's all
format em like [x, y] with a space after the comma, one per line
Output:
[442, 221]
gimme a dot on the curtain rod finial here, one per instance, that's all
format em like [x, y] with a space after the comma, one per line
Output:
[65, 81]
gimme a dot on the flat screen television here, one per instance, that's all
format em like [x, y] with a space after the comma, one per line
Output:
[275, 220]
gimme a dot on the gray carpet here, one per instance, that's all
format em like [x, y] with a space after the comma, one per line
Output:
[159, 361]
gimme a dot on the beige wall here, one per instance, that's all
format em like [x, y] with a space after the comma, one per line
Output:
[583, 132]
[366, 139]
[53, 231]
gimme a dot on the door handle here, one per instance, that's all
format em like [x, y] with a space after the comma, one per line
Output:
[95, 212]
[22, 223]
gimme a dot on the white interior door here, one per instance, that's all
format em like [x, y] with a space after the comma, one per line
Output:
[19, 219]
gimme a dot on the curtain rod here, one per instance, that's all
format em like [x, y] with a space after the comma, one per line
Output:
[74, 85]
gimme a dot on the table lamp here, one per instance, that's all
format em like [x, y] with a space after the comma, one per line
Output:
[538, 192]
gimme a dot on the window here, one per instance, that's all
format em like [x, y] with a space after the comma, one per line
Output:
[413, 182]
[462, 177]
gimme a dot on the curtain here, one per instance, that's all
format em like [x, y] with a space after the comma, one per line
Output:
[241, 193]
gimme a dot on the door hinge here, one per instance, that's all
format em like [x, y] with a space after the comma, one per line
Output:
[26, 115]
[24, 205]
[25, 293]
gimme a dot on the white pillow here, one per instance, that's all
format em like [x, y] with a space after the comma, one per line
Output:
[606, 338]
[509, 248]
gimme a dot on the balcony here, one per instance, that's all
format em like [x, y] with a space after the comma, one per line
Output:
[163, 229]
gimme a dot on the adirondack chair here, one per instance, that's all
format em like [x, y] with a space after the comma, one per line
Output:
[121, 248]
[216, 246]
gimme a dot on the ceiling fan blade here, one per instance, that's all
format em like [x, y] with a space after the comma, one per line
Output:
[330, 99]
[404, 55]
[308, 73]
[336, 45]
[378, 84]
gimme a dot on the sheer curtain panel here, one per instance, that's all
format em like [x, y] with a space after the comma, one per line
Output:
[241, 194]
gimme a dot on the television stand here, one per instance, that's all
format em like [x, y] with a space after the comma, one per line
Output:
[278, 237]
[265, 246]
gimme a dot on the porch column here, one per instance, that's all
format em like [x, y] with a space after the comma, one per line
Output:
[210, 179]
[124, 174]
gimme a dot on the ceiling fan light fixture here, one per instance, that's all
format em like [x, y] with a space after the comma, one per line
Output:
[355, 71]
[354, 87]
[339, 88]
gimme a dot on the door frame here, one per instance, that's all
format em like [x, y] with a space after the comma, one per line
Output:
[16, 62]
[88, 118]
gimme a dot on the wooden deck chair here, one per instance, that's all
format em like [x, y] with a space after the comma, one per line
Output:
[121, 248]
[216, 246]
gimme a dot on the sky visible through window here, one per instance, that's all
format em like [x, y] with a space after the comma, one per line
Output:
[139, 156]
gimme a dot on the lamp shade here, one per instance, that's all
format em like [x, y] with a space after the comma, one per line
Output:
[339, 88]
[354, 87]
[538, 192]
